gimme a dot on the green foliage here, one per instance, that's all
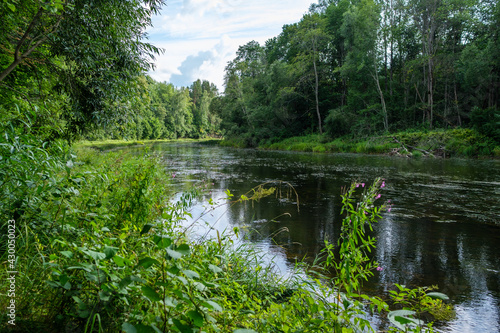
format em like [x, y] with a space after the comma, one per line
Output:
[366, 68]
[487, 122]
[416, 302]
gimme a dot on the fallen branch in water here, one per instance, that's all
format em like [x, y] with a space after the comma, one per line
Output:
[427, 153]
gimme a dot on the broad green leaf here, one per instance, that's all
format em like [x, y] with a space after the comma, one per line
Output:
[119, 261]
[150, 293]
[162, 242]
[104, 296]
[174, 254]
[146, 228]
[196, 317]
[212, 305]
[128, 328]
[183, 248]
[200, 286]
[96, 276]
[110, 251]
[214, 268]
[136, 278]
[438, 295]
[244, 330]
[183, 328]
[94, 255]
[125, 282]
[191, 274]
[169, 302]
[67, 254]
[141, 328]
[400, 318]
[147, 262]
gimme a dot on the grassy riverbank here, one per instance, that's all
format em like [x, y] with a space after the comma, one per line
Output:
[439, 143]
[110, 144]
[99, 247]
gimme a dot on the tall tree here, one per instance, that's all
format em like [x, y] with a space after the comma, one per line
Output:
[96, 48]
[311, 38]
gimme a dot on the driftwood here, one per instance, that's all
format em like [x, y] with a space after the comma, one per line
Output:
[427, 153]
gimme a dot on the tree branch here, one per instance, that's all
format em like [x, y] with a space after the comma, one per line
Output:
[18, 56]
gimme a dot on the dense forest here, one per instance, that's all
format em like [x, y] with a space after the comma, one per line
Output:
[365, 67]
[84, 76]
[348, 68]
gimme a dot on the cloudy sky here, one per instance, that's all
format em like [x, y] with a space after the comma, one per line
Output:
[201, 36]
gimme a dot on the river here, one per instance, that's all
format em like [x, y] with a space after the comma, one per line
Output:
[443, 228]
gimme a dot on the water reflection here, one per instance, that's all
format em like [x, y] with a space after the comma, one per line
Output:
[443, 229]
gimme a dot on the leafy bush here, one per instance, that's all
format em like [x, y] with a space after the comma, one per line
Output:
[487, 122]
[338, 123]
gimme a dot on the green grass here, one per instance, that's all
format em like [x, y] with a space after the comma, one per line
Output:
[458, 142]
[110, 144]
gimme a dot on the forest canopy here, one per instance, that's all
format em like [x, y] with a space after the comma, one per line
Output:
[348, 68]
[362, 67]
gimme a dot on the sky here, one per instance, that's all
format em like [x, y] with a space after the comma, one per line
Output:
[201, 36]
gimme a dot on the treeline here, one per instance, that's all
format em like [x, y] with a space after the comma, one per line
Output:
[361, 67]
[162, 111]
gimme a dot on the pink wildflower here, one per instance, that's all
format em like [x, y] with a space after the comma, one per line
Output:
[173, 175]
[379, 269]
[389, 209]
[383, 184]
[363, 184]
[377, 197]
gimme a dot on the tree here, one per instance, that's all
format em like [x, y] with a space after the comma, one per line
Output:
[360, 30]
[21, 35]
[96, 50]
[312, 39]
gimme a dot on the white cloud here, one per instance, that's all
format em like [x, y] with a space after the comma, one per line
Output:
[201, 36]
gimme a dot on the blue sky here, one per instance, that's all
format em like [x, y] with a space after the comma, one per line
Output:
[201, 36]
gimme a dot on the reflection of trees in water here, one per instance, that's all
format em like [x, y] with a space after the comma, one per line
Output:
[451, 255]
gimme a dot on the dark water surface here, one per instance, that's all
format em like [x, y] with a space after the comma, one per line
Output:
[444, 227]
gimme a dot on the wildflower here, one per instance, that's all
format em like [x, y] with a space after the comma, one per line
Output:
[389, 209]
[379, 269]
[383, 184]
[357, 185]
[363, 184]
[173, 175]
[377, 197]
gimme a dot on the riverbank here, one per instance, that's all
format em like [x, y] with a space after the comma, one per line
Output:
[111, 144]
[102, 248]
[439, 143]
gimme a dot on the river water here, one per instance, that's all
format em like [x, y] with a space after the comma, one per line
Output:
[443, 228]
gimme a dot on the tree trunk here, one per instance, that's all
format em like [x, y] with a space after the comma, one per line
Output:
[382, 100]
[316, 93]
